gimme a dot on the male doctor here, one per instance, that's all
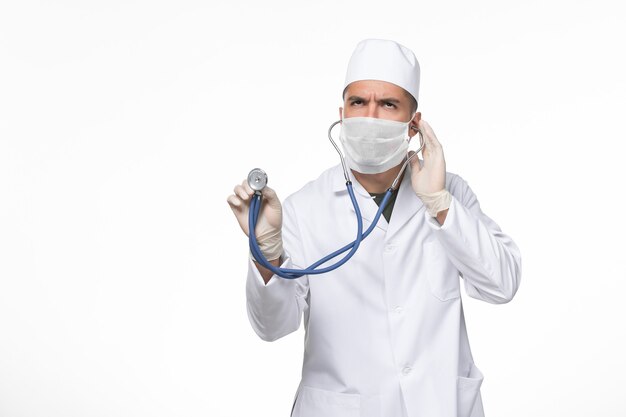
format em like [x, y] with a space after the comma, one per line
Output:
[385, 333]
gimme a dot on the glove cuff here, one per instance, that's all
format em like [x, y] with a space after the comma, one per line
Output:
[436, 202]
[271, 245]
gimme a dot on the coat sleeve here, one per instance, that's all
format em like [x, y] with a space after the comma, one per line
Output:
[487, 259]
[275, 309]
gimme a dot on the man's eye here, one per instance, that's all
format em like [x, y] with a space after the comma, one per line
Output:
[390, 105]
[357, 102]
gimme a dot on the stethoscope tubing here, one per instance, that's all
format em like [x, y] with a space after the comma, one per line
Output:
[288, 273]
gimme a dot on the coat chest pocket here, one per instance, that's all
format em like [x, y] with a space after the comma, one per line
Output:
[315, 402]
[443, 277]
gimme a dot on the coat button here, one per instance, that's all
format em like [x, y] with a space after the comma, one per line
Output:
[398, 310]
[390, 248]
[406, 370]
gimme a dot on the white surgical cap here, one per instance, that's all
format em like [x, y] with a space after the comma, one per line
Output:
[383, 60]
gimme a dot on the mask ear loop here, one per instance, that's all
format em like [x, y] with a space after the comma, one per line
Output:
[394, 185]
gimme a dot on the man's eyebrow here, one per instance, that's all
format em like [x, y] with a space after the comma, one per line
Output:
[390, 100]
[352, 98]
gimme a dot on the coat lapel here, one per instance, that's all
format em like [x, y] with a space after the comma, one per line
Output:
[407, 205]
[366, 202]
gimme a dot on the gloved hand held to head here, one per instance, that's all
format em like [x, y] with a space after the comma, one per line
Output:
[269, 224]
[429, 181]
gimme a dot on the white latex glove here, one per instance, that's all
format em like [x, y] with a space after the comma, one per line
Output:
[429, 181]
[269, 223]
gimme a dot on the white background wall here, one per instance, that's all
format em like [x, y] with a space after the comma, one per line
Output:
[124, 125]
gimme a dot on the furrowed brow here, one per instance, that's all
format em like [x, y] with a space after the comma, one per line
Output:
[389, 100]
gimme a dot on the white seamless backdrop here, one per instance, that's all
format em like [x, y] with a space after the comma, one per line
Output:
[124, 125]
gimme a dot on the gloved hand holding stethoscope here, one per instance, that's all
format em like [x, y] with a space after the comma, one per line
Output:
[270, 220]
[265, 217]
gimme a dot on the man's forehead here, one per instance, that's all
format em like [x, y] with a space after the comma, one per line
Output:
[376, 87]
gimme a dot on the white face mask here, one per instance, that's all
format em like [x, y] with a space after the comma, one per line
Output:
[374, 145]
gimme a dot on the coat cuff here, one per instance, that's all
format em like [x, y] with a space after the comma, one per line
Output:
[255, 275]
[450, 217]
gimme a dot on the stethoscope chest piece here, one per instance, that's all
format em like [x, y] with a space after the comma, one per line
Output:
[257, 179]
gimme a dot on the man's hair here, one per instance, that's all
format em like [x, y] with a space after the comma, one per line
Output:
[412, 100]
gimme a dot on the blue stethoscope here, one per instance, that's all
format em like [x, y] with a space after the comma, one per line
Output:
[257, 180]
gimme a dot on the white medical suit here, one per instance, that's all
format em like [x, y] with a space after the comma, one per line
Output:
[385, 333]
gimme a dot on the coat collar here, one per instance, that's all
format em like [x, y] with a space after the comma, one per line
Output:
[406, 206]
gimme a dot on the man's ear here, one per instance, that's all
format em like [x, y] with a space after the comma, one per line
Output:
[415, 124]
[341, 113]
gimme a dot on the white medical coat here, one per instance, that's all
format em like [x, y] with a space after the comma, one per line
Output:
[385, 333]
